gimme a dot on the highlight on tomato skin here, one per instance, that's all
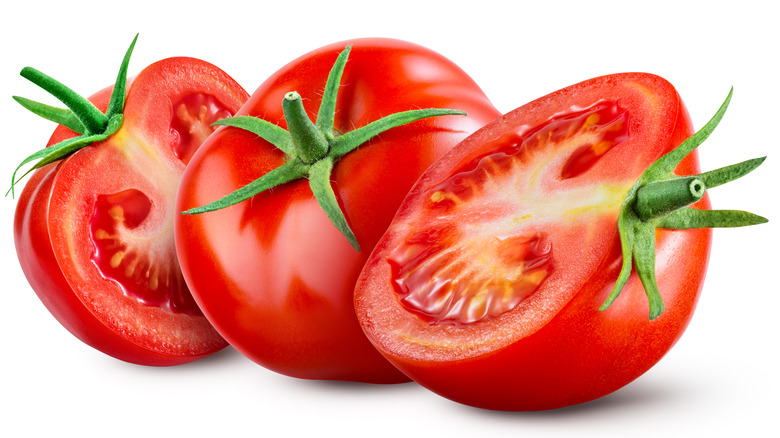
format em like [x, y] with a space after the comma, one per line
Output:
[487, 285]
[93, 231]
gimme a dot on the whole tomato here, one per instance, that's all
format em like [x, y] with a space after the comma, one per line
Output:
[490, 285]
[275, 273]
[94, 230]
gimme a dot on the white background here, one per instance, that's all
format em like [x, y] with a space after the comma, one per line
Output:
[721, 377]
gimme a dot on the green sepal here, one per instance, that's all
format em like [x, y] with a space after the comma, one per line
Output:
[313, 148]
[274, 134]
[664, 204]
[664, 167]
[116, 105]
[81, 116]
[644, 260]
[688, 218]
[726, 174]
[63, 149]
[289, 171]
[319, 181]
[62, 116]
[326, 115]
[351, 140]
[626, 225]
[89, 115]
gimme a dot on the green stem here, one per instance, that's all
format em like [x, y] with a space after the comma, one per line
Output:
[309, 142]
[657, 199]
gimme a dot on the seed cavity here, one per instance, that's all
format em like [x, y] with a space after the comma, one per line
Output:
[128, 254]
[191, 123]
[470, 280]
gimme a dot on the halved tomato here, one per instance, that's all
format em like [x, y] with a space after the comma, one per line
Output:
[94, 232]
[486, 288]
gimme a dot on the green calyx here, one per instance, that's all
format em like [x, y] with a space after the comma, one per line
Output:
[80, 116]
[661, 199]
[313, 148]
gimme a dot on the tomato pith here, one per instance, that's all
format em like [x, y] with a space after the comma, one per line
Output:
[101, 220]
[486, 287]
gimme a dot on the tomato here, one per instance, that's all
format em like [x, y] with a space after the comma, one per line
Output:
[94, 231]
[488, 284]
[273, 274]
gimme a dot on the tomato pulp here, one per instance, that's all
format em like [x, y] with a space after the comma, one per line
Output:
[272, 273]
[486, 287]
[94, 232]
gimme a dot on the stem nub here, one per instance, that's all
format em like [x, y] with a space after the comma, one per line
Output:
[659, 198]
[309, 142]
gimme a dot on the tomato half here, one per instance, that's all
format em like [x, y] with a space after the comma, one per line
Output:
[94, 232]
[487, 286]
[273, 274]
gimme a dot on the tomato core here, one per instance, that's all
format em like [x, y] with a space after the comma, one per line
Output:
[123, 252]
[479, 250]
[191, 122]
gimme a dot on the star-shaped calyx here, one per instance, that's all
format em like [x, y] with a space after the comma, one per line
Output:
[661, 199]
[80, 116]
[313, 148]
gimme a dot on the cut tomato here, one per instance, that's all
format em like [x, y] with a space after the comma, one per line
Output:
[94, 232]
[486, 288]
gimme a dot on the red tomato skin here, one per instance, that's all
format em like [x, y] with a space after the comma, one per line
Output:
[34, 221]
[582, 353]
[272, 274]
